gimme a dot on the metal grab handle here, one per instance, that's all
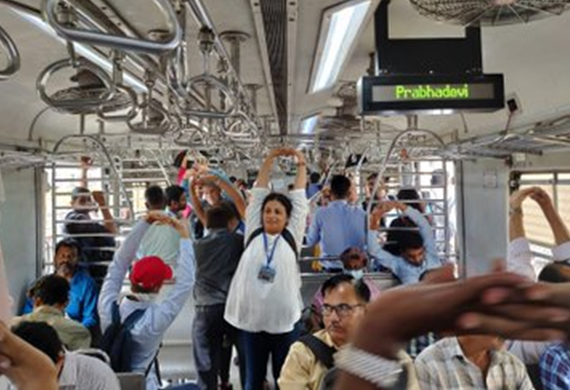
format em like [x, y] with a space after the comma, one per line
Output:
[13, 55]
[144, 127]
[49, 10]
[83, 64]
[217, 84]
[120, 117]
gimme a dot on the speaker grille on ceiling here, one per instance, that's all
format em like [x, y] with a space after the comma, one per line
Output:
[275, 24]
[489, 12]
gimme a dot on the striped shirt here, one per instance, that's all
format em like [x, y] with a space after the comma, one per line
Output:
[555, 368]
[444, 366]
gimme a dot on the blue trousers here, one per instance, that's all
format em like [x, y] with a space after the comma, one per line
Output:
[257, 349]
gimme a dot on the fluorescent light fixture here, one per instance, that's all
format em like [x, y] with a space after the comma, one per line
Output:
[83, 50]
[308, 124]
[340, 27]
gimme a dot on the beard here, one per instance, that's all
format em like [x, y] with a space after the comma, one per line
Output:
[65, 268]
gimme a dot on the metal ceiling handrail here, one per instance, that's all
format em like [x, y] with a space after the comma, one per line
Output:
[13, 55]
[102, 111]
[218, 85]
[72, 104]
[389, 154]
[49, 10]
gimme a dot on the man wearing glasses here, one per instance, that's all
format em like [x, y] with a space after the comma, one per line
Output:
[309, 359]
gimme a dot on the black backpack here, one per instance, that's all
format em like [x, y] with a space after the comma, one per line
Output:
[324, 354]
[117, 339]
[286, 234]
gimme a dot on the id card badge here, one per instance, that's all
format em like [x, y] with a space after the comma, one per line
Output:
[266, 274]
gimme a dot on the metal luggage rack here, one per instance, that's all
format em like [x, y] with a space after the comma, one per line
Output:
[537, 139]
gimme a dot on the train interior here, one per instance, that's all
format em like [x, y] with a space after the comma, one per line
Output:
[133, 85]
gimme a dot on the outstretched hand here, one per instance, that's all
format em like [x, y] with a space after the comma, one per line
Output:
[489, 304]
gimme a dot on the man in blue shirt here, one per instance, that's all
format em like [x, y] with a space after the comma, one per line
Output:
[416, 251]
[83, 294]
[338, 226]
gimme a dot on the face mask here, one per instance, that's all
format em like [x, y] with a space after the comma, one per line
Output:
[356, 274]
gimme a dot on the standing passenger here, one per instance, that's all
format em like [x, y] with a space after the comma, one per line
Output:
[339, 225]
[264, 300]
[217, 257]
[95, 239]
[147, 277]
[160, 240]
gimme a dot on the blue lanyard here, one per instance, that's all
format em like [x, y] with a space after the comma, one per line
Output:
[269, 256]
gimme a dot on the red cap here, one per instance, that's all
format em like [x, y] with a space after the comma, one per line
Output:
[150, 272]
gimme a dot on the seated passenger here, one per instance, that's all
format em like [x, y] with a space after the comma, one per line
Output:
[147, 277]
[76, 371]
[470, 362]
[50, 295]
[309, 359]
[520, 259]
[354, 263]
[83, 293]
[95, 239]
[160, 240]
[217, 257]
[417, 251]
[337, 226]
[555, 367]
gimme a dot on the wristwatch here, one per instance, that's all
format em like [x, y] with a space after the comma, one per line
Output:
[383, 373]
[515, 210]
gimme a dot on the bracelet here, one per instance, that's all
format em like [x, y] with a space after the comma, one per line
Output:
[375, 369]
[515, 210]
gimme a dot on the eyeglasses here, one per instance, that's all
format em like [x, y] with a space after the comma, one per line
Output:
[343, 310]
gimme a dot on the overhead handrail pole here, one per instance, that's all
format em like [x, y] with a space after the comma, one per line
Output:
[119, 86]
[13, 65]
[49, 8]
[389, 154]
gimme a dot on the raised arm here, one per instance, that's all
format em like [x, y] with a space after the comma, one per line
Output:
[559, 229]
[516, 226]
[301, 178]
[196, 204]
[424, 226]
[229, 189]
[264, 174]
[384, 257]
[109, 223]
[519, 257]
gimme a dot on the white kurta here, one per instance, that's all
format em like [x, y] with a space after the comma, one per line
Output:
[258, 306]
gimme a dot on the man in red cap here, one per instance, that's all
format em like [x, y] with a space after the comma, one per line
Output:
[147, 277]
